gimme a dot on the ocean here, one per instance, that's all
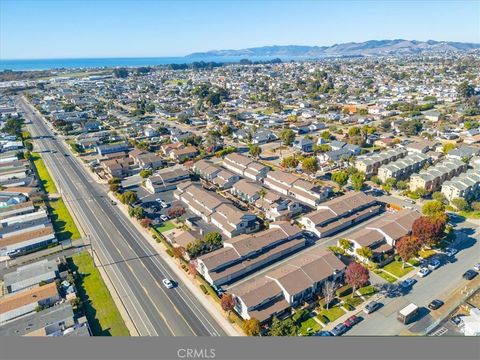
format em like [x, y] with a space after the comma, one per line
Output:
[47, 64]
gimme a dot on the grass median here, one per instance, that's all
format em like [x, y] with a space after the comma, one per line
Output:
[102, 314]
[45, 179]
[62, 221]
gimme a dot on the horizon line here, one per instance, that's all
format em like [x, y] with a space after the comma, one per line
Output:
[206, 51]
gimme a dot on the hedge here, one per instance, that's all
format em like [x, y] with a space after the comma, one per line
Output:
[344, 291]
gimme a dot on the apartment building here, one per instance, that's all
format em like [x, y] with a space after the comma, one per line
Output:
[466, 185]
[289, 184]
[288, 285]
[369, 164]
[341, 213]
[215, 209]
[248, 191]
[432, 178]
[246, 253]
[213, 173]
[403, 168]
[166, 179]
[245, 166]
[381, 235]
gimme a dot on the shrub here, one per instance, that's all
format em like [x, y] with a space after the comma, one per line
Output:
[323, 319]
[348, 307]
[169, 252]
[204, 289]
[344, 291]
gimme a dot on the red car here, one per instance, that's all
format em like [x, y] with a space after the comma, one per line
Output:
[351, 321]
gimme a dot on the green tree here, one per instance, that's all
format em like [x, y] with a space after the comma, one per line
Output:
[214, 239]
[447, 147]
[326, 135]
[357, 180]
[129, 197]
[433, 208]
[365, 252]
[120, 73]
[255, 151]
[340, 177]
[465, 90]
[251, 327]
[287, 136]
[226, 130]
[289, 162]
[345, 244]
[285, 327]
[402, 185]
[145, 173]
[310, 165]
[460, 204]
[437, 195]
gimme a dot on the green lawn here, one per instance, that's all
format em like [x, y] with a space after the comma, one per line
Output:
[386, 276]
[425, 254]
[395, 268]
[309, 323]
[355, 301]
[102, 314]
[333, 313]
[470, 214]
[367, 291]
[62, 220]
[166, 226]
[45, 179]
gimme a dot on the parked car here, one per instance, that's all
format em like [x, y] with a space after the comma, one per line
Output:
[167, 283]
[351, 321]
[476, 267]
[434, 264]
[339, 330]
[424, 271]
[457, 320]
[435, 304]
[164, 217]
[371, 307]
[407, 283]
[323, 333]
[450, 251]
[469, 274]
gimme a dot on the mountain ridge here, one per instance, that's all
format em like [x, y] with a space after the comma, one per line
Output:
[366, 48]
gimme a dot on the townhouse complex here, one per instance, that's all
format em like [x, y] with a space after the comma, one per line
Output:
[466, 185]
[432, 178]
[370, 164]
[403, 168]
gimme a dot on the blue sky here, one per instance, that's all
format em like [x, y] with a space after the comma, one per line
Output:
[102, 28]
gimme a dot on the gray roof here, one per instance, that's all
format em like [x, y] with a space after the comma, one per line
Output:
[30, 275]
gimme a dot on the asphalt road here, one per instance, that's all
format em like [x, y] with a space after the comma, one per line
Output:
[131, 263]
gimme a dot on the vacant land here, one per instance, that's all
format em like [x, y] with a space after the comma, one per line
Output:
[98, 305]
[45, 179]
[62, 221]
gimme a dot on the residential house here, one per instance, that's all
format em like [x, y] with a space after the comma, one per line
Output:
[28, 276]
[24, 302]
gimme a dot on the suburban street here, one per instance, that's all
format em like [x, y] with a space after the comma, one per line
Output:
[440, 284]
[131, 263]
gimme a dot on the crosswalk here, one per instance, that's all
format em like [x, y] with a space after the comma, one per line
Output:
[440, 332]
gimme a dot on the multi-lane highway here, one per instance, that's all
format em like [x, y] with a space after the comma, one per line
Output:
[131, 263]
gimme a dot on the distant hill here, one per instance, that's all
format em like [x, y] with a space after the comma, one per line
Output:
[367, 48]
